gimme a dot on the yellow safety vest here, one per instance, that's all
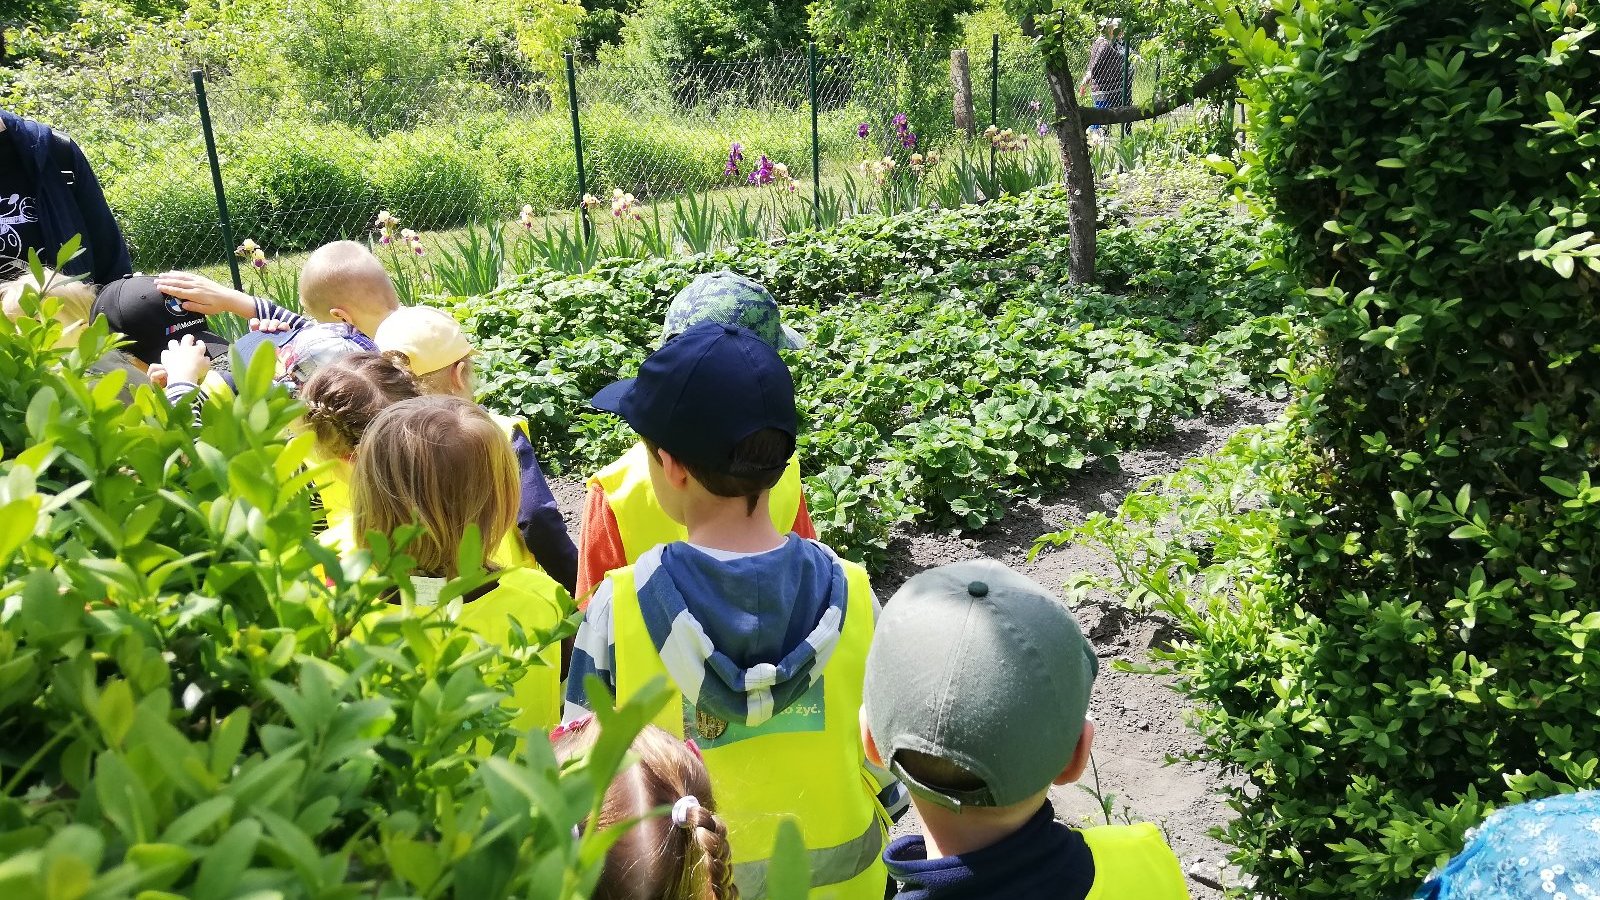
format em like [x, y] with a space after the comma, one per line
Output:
[642, 523]
[538, 604]
[534, 600]
[333, 486]
[804, 764]
[1133, 861]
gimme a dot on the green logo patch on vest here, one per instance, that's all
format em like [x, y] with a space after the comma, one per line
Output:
[808, 713]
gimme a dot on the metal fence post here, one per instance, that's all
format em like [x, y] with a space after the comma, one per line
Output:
[1127, 81]
[577, 146]
[216, 178]
[816, 143]
[994, 95]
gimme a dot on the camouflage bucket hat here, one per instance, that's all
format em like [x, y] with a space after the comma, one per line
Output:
[727, 298]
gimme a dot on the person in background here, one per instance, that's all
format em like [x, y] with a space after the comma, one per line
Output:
[1104, 73]
[340, 282]
[977, 697]
[48, 195]
[431, 345]
[681, 856]
[621, 516]
[1538, 850]
[443, 464]
[762, 635]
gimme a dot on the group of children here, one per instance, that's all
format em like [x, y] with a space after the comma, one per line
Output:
[793, 696]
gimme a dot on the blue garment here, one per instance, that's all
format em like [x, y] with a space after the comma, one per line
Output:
[1043, 859]
[70, 201]
[539, 519]
[1541, 849]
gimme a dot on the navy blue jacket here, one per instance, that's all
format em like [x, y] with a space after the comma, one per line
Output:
[69, 204]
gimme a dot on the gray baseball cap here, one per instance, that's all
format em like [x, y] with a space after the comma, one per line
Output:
[728, 298]
[982, 668]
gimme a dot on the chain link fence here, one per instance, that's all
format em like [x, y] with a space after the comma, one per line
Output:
[302, 164]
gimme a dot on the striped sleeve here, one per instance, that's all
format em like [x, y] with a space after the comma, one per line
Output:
[266, 309]
[592, 653]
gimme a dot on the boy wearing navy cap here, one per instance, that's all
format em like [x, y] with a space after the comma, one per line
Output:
[763, 637]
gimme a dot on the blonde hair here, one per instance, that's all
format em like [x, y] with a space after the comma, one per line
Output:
[442, 463]
[435, 382]
[345, 274]
[344, 396]
[75, 301]
[657, 859]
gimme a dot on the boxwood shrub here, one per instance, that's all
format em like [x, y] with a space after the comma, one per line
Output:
[1428, 650]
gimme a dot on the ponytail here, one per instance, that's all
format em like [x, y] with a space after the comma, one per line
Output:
[709, 837]
[684, 856]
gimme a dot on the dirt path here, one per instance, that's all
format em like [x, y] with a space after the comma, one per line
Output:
[1139, 718]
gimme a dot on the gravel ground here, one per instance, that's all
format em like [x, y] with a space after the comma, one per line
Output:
[1139, 718]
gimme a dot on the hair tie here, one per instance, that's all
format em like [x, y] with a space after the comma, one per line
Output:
[681, 810]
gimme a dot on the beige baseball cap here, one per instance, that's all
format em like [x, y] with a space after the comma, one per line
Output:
[430, 339]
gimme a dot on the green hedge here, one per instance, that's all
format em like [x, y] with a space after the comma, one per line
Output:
[1433, 609]
[295, 185]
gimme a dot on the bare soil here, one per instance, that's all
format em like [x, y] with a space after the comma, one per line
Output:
[1140, 730]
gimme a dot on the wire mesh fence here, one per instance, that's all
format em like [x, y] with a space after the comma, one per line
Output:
[302, 163]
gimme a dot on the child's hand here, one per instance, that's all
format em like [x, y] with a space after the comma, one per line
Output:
[204, 296]
[269, 326]
[157, 375]
[185, 360]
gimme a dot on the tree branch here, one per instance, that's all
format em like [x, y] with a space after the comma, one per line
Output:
[1118, 115]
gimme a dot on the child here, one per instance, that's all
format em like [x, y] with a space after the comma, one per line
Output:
[1537, 849]
[977, 692]
[74, 300]
[442, 463]
[340, 282]
[174, 346]
[683, 856]
[621, 516]
[764, 636]
[431, 345]
[74, 304]
[341, 401]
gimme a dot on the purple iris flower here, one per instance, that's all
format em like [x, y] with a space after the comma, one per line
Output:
[762, 173]
[863, 130]
[899, 122]
[735, 156]
[1043, 129]
[907, 139]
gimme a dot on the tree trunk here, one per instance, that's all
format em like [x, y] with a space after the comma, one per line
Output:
[961, 82]
[1082, 205]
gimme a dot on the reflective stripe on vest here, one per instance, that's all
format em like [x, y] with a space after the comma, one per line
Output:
[642, 523]
[1133, 861]
[805, 764]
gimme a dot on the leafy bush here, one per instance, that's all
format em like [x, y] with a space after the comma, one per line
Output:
[1432, 609]
[310, 191]
[432, 179]
[187, 704]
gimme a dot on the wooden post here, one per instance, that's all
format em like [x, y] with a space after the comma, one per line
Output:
[961, 80]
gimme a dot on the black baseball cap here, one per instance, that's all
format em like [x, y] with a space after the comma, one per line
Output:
[138, 311]
[705, 391]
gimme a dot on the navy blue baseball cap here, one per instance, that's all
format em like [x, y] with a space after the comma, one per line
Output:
[705, 391]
